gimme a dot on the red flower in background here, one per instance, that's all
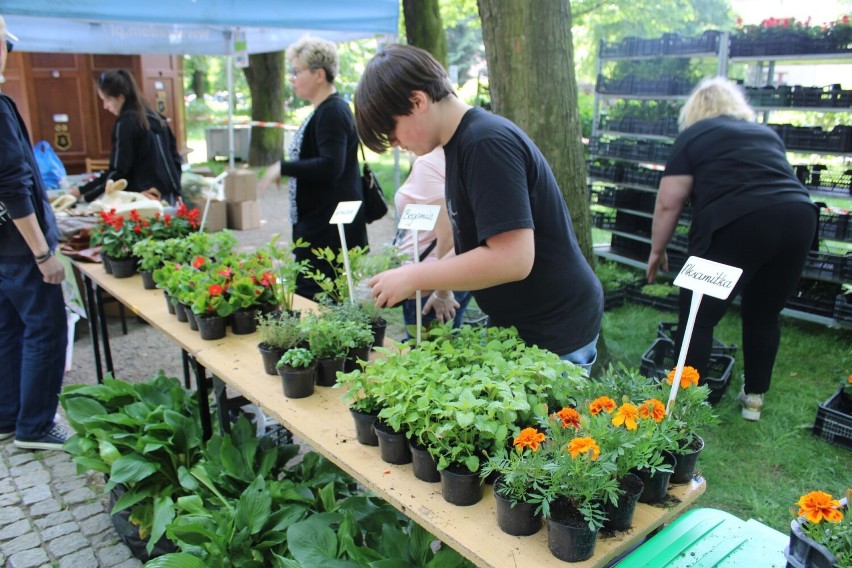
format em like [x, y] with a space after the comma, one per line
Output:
[198, 262]
[215, 290]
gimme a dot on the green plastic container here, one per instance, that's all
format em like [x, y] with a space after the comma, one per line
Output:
[702, 538]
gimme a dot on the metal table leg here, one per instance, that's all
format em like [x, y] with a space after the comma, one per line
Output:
[92, 314]
[203, 402]
[104, 330]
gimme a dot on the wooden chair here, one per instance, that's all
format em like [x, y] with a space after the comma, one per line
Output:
[94, 165]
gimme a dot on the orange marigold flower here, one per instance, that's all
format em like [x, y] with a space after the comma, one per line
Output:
[849, 380]
[627, 415]
[689, 376]
[587, 445]
[653, 408]
[602, 403]
[215, 290]
[569, 417]
[818, 505]
[198, 262]
[529, 438]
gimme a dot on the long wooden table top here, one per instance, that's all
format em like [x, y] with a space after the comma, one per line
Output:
[323, 421]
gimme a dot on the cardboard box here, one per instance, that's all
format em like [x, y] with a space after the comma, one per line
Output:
[240, 185]
[217, 216]
[244, 215]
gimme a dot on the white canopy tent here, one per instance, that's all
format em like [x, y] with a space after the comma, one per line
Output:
[192, 27]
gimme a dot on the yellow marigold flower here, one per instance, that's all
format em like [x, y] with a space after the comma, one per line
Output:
[529, 438]
[602, 403]
[569, 417]
[627, 415]
[689, 376]
[653, 408]
[584, 446]
[818, 505]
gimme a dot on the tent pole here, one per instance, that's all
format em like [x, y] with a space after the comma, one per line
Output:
[229, 64]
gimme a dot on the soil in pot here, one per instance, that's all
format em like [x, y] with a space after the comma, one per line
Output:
[686, 460]
[569, 537]
[424, 465]
[211, 327]
[656, 485]
[327, 371]
[148, 279]
[243, 322]
[364, 431]
[620, 515]
[298, 383]
[393, 445]
[270, 356]
[519, 519]
[460, 486]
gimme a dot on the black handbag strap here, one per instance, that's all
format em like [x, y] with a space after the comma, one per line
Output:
[429, 249]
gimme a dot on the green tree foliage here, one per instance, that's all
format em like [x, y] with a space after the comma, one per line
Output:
[424, 28]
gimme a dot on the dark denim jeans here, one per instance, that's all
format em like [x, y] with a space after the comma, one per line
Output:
[33, 339]
[409, 312]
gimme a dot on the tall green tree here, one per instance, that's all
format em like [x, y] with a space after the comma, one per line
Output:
[424, 28]
[265, 77]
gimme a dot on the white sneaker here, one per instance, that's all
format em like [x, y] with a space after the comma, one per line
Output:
[752, 405]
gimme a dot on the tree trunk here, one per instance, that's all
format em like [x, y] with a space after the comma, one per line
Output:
[265, 80]
[199, 83]
[530, 53]
[424, 29]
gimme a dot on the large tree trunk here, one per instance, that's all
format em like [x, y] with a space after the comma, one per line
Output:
[530, 54]
[423, 27]
[265, 80]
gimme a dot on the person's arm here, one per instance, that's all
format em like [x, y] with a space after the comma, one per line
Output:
[505, 257]
[673, 194]
[51, 269]
[330, 128]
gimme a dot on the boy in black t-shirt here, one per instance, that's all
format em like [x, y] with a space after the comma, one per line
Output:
[515, 245]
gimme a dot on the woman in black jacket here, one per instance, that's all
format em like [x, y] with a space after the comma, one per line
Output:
[323, 159]
[144, 151]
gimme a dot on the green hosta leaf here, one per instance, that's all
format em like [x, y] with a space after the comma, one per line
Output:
[419, 544]
[446, 558]
[176, 560]
[80, 410]
[328, 498]
[131, 468]
[254, 506]
[192, 504]
[131, 497]
[232, 461]
[313, 543]
[346, 535]
[187, 481]
[108, 452]
[164, 513]
[85, 463]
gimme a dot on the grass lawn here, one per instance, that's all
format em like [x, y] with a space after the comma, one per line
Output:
[759, 469]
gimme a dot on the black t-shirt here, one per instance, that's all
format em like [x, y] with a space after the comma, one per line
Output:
[498, 181]
[738, 167]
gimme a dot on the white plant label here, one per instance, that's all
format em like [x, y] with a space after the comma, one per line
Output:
[708, 277]
[419, 217]
[345, 212]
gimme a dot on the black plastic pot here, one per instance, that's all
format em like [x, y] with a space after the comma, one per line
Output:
[424, 465]
[327, 371]
[379, 328]
[190, 318]
[243, 322]
[123, 267]
[460, 486]
[364, 431]
[107, 264]
[169, 305]
[211, 327]
[298, 383]
[129, 533]
[393, 446]
[270, 356]
[148, 279]
[180, 312]
[571, 541]
[359, 353]
[685, 467]
[656, 485]
[518, 520]
[620, 515]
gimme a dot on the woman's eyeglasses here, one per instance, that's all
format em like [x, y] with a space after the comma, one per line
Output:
[9, 46]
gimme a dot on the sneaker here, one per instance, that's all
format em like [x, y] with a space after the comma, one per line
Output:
[6, 435]
[53, 440]
[752, 405]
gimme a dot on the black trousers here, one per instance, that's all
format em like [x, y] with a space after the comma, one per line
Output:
[771, 246]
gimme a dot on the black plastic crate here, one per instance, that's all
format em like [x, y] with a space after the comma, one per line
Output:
[661, 358]
[815, 297]
[668, 330]
[834, 421]
[614, 298]
[843, 307]
[834, 225]
[278, 434]
[669, 303]
[603, 219]
[824, 265]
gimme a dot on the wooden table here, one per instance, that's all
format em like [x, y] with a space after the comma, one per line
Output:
[323, 421]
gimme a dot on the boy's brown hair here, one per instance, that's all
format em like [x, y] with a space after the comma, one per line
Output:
[384, 91]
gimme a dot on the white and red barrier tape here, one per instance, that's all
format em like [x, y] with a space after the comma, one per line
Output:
[241, 122]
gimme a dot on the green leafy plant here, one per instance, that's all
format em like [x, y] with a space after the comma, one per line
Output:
[521, 469]
[659, 290]
[826, 521]
[614, 275]
[150, 253]
[328, 338]
[281, 331]
[297, 358]
[286, 269]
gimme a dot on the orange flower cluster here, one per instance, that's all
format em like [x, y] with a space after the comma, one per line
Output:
[579, 446]
[653, 408]
[626, 415]
[529, 438]
[569, 417]
[689, 376]
[602, 403]
[818, 505]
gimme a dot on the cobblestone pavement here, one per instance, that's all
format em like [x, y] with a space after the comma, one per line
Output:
[52, 517]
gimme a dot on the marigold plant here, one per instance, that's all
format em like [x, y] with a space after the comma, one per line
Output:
[826, 520]
[521, 469]
[602, 404]
[689, 377]
[626, 415]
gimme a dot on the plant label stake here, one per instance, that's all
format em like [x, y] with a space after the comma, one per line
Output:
[702, 276]
[418, 218]
[343, 215]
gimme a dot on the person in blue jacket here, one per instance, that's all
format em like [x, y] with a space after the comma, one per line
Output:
[33, 325]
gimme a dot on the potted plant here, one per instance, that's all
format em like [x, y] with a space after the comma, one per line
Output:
[328, 340]
[118, 239]
[243, 296]
[277, 332]
[298, 371]
[821, 531]
[149, 251]
[690, 414]
[211, 307]
[286, 270]
[361, 388]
